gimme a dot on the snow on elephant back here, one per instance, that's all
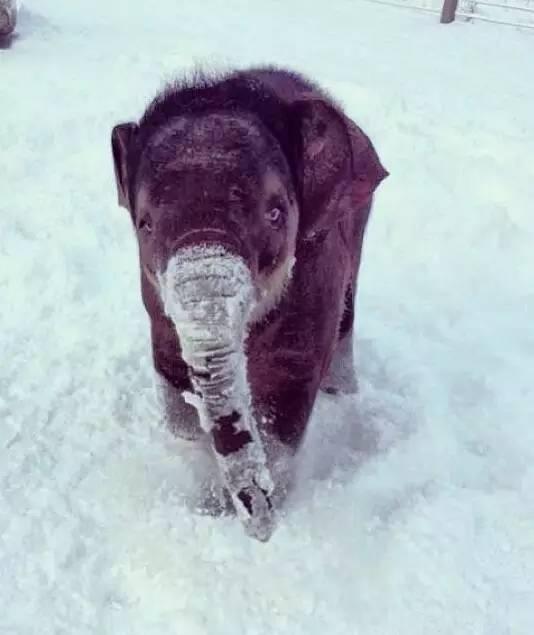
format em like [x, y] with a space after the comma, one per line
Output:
[249, 194]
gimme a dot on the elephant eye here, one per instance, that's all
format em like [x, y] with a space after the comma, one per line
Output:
[145, 224]
[274, 215]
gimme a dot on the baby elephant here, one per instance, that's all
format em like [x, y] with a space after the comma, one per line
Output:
[249, 194]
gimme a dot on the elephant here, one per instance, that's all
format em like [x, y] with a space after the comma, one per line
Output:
[249, 192]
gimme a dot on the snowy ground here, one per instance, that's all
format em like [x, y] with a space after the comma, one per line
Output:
[414, 513]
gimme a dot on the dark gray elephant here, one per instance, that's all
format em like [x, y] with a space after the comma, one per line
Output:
[249, 194]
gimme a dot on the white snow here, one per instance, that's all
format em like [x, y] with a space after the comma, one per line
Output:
[414, 511]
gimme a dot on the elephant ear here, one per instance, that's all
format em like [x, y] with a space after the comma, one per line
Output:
[334, 159]
[122, 137]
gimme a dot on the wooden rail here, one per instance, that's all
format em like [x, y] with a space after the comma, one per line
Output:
[483, 18]
[500, 5]
[449, 12]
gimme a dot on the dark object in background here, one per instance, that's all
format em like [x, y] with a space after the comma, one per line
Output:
[249, 193]
[8, 17]
[448, 11]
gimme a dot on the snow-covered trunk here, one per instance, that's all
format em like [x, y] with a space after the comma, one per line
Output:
[208, 294]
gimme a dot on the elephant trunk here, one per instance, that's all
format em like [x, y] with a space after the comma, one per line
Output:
[208, 294]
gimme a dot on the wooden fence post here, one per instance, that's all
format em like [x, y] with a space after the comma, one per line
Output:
[448, 12]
